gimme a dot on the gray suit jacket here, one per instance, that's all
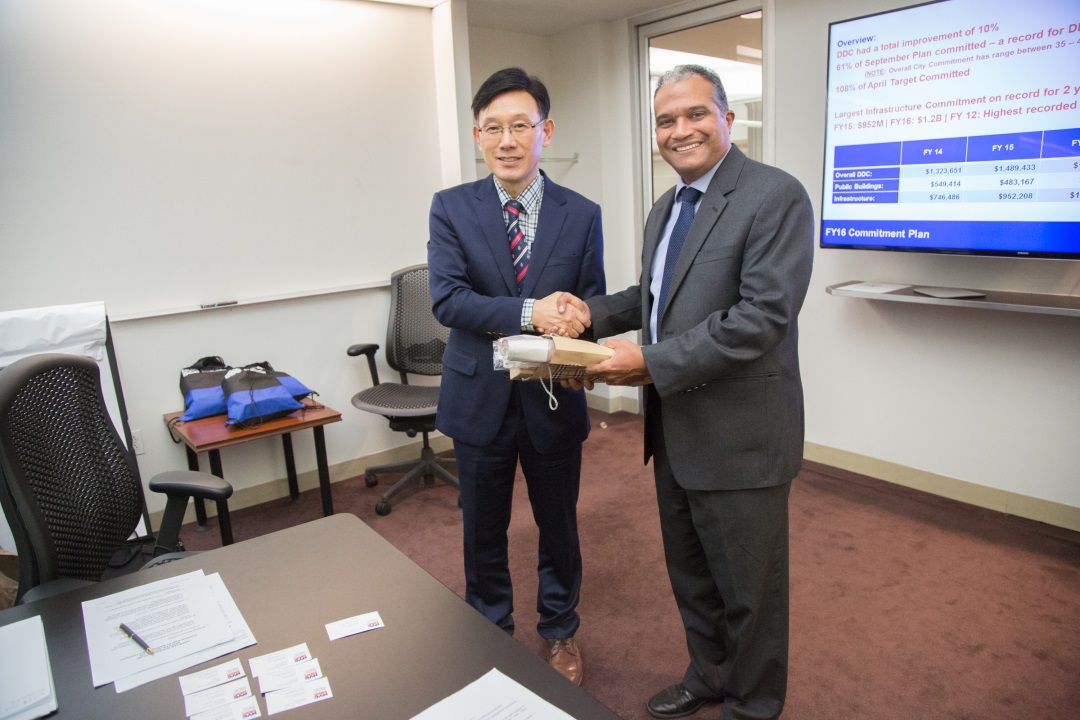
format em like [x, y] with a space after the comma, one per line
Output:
[726, 362]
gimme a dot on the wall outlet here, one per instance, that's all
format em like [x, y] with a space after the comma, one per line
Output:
[136, 442]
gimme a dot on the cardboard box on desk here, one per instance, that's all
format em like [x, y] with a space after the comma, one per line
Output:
[569, 360]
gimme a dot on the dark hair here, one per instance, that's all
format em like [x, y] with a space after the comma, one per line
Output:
[509, 80]
[685, 72]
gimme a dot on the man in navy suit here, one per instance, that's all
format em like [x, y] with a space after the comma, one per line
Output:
[501, 249]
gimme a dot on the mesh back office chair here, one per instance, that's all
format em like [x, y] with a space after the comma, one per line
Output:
[414, 344]
[69, 487]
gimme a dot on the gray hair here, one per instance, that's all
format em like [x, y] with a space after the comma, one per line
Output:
[685, 72]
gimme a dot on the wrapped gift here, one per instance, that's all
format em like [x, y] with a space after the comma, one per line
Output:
[532, 357]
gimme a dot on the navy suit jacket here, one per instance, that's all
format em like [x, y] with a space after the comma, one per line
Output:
[474, 293]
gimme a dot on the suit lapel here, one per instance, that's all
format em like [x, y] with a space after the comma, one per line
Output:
[552, 218]
[489, 216]
[708, 213]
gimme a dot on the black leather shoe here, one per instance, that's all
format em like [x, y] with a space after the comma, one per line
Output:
[674, 702]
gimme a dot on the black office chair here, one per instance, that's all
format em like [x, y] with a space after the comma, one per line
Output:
[69, 487]
[414, 344]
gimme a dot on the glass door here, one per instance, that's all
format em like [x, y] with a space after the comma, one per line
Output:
[726, 38]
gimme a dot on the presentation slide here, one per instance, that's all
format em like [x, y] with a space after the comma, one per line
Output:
[954, 127]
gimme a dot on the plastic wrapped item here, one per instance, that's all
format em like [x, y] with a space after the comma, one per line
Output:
[546, 358]
[531, 357]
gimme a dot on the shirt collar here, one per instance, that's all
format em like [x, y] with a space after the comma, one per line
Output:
[529, 197]
[702, 183]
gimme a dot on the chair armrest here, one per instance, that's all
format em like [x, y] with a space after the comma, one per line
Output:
[369, 350]
[190, 483]
[51, 588]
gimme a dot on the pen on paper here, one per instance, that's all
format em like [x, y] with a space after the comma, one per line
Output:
[223, 303]
[135, 636]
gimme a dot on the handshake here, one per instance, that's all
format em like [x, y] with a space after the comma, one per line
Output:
[561, 313]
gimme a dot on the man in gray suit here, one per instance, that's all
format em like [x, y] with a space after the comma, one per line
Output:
[725, 267]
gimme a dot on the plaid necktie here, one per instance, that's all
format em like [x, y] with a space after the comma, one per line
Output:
[519, 249]
[688, 197]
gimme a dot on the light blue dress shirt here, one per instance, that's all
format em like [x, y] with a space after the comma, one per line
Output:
[660, 258]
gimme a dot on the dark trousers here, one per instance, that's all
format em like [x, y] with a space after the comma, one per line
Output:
[486, 475]
[727, 559]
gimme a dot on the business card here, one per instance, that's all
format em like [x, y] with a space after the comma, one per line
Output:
[279, 660]
[211, 677]
[241, 710]
[353, 625]
[297, 695]
[278, 679]
[216, 696]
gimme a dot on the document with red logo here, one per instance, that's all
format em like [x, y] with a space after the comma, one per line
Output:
[297, 695]
[356, 624]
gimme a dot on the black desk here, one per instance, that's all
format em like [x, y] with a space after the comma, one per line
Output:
[288, 585]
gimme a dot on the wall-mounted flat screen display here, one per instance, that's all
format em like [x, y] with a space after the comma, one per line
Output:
[954, 127]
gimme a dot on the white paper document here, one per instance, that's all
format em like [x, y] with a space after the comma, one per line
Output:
[279, 660]
[876, 288]
[240, 710]
[493, 697]
[214, 697]
[297, 695]
[26, 682]
[211, 677]
[356, 624]
[176, 617]
[241, 637]
[293, 675]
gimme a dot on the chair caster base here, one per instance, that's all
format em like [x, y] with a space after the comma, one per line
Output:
[382, 508]
[371, 480]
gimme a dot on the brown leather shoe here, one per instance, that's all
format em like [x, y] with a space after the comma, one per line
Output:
[565, 656]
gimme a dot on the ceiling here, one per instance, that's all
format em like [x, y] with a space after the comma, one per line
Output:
[551, 17]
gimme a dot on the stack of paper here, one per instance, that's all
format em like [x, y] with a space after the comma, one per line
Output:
[221, 692]
[290, 678]
[494, 697]
[185, 621]
[26, 681]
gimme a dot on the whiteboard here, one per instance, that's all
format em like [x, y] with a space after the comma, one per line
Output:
[175, 153]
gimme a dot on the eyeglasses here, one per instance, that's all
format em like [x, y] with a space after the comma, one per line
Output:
[518, 129]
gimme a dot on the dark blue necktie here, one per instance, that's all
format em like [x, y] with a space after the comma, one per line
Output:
[688, 197]
[519, 249]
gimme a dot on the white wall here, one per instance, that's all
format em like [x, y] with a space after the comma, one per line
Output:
[64, 116]
[986, 398]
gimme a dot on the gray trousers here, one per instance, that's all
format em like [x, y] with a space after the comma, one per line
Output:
[727, 559]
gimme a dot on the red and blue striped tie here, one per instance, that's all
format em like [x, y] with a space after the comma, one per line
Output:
[519, 249]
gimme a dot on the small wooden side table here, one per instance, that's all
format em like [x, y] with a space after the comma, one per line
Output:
[211, 434]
